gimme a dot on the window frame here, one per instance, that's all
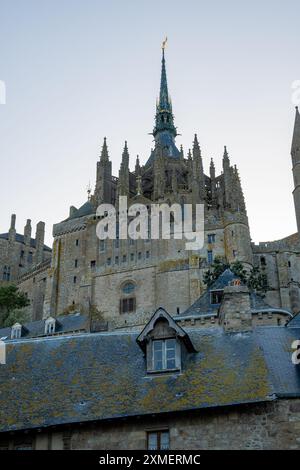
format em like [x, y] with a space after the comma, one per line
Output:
[158, 433]
[213, 292]
[164, 357]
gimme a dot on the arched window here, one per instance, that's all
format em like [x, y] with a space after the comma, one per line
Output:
[127, 300]
[4, 273]
[50, 324]
[128, 288]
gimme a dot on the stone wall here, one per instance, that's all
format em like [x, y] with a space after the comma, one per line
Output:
[271, 425]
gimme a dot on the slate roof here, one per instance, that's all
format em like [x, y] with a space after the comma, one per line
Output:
[102, 376]
[65, 324]
[20, 239]
[86, 209]
[203, 305]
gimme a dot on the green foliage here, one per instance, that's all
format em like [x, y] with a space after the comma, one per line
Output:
[217, 268]
[254, 279]
[11, 300]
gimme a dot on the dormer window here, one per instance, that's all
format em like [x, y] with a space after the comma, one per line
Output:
[50, 324]
[16, 331]
[164, 343]
[164, 354]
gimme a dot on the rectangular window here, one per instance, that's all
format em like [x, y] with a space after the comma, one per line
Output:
[164, 354]
[124, 259]
[76, 263]
[77, 242]
[127, 305]
[211, 237]
[117, 243]
[147, 254]
[102, 245]
[216, 297]
[116, 260]
[210, 256]
[139, 255]
[131, 241]
[74, 280]
[93, 264]
[158, 440]
[108, 261]
[132, 257]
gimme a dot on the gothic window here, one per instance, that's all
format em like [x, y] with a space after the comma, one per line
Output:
[128, 301]
[128, 288]
[158, 440]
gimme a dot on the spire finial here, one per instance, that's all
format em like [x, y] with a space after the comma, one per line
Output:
[164, 43]
[104, 152]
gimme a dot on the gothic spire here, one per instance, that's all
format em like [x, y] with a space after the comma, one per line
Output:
[104, 152]
[125, 156]
[164, 118]
[164, 100]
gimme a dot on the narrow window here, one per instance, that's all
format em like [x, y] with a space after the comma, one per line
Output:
[124, 259]
[102, 245]
[209, 256]
[234, 253]
[76, 263]
[139, 255]
[211, 238]
[77, 242]
[132, 257]
[74, 280]
[93, 264]
[108, 261]
[116, 260]
[216, 297]
[158, 440]
[263, 261]
[147, 254]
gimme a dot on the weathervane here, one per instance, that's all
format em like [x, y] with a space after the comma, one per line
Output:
[164, 43]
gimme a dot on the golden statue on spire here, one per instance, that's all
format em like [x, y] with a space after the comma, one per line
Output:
[164, 43]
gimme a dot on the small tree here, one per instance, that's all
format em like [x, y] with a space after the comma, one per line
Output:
[217, 268]
[10, 300]
[254, 279]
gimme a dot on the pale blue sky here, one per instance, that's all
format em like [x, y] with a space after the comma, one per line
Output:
[77, 71]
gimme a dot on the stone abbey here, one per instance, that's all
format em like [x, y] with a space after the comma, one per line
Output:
[134, 349]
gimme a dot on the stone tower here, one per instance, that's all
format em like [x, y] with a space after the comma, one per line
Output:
[295, 153]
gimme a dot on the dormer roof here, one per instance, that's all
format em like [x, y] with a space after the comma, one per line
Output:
[162, 314]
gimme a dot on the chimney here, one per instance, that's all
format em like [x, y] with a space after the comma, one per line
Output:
[39, 242]
[12, 230]
[235, 309]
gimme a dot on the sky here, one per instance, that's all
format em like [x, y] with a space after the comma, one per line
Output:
[76, 71]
